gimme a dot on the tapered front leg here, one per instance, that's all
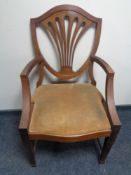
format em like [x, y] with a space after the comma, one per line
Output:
[30, 146]
[108, 143]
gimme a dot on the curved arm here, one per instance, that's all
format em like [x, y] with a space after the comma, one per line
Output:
[26, 112]
[106, 67]
[30, 66]
[109, 91]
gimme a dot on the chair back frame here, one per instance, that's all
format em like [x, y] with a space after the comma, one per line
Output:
[53, 22]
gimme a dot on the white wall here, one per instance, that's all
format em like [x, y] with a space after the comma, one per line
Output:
[16, 48]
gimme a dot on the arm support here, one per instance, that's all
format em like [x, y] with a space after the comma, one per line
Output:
[109, 92]
[26, 112]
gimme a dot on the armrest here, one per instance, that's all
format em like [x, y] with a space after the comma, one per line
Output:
[26, 110]
[30, 66]
[106, 67]
[109, 91]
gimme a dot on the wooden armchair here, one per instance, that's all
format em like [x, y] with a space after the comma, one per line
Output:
[67, 112]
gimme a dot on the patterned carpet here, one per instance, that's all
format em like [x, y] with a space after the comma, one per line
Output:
[62, 159]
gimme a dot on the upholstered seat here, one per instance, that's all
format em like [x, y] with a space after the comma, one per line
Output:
[68, 109]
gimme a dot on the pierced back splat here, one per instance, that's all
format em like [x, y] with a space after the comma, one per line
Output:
[66, 40]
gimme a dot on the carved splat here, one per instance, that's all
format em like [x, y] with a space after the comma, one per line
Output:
[65, 37]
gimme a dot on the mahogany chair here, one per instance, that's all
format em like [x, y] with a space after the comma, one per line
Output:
[67, 112]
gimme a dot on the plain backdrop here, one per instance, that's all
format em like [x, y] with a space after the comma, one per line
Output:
[16, 47]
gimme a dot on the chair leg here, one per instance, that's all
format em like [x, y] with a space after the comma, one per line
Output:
[30, 146]
[108, 144]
